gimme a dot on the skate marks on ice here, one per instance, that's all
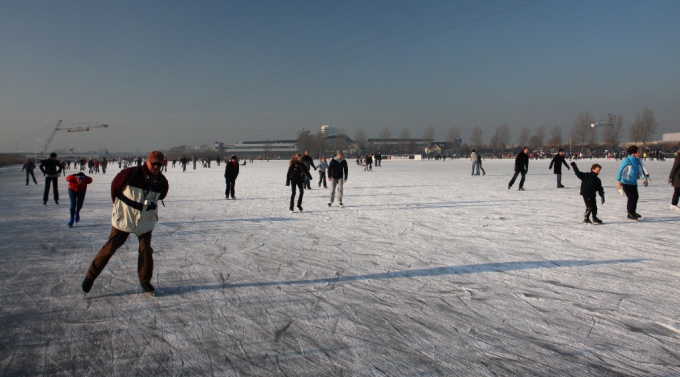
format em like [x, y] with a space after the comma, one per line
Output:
[427, 272]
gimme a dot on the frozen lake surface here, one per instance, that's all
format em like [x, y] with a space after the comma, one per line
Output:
[426, 271]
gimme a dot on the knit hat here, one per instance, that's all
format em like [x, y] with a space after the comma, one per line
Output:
[339, 152]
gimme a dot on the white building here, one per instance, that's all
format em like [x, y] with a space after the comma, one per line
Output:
[258, 148]
[328, 131]
[671, 137]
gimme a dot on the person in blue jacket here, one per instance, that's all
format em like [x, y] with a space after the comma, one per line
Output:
[626, 180]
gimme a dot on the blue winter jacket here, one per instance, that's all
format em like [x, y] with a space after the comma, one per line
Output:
[630, 170]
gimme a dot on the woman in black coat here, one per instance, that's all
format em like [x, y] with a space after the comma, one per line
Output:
[297, 172]
[557, 162]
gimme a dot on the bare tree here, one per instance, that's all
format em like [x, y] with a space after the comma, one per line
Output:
[582, 131]
[493, 142]
[453, 137]
[304, 140]
[404, 140]
[428, 134]
[643, 126]
[523, 137]
[319, 142]
[536, 140]
[502, 137]
[360, 139]
[555, 139]
[177, 151]
[476, 140]
[611, 134]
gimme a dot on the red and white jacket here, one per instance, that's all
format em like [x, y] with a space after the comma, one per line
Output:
[133, 191]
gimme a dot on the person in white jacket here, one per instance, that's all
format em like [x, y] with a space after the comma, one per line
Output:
[135, 193]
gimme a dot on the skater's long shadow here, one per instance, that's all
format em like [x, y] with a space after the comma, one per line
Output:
[255, 220]
[426, 272]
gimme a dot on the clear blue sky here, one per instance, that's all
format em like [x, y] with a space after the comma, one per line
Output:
[166, 73]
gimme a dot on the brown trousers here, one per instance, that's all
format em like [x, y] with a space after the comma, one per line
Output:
[116, 239]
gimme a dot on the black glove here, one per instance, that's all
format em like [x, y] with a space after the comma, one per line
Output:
[573, 163]
[602, 199]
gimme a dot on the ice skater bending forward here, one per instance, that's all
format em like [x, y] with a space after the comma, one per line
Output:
[135, 192]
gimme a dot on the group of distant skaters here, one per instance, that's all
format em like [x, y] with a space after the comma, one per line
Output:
[299, 177]
[630, 171]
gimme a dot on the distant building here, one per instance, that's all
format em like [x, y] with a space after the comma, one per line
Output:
[671, 137]
[445, 147]
[328, 131]
[262, 147]
[400, 146]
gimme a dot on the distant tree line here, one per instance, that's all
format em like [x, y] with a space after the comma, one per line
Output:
[582, 135]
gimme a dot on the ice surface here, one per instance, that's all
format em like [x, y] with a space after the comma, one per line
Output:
[426, 271]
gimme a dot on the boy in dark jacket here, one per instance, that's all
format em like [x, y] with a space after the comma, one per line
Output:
[230, 174]
[590, 185]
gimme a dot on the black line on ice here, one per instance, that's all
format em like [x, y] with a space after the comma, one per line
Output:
[426, 272]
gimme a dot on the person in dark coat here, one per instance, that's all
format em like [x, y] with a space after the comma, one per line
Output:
[557, 163]
[309, 162]
[673, 179]
[479, 164]
[297, 174]
[521, 167]
[29, 166]
[590, 185]
[51, 168]
[337, 170]
[230, 174]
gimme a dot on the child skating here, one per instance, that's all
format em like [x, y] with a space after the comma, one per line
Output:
[590, 185]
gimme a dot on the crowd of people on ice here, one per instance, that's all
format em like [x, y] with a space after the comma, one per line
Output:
[140, 185]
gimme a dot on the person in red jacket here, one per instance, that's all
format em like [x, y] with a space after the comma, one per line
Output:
[135, 193]
[77, 187]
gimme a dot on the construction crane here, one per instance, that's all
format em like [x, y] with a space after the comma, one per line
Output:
[78, 128]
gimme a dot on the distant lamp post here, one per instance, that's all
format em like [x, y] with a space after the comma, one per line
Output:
[604, 124]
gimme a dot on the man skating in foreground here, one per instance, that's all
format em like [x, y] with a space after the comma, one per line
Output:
[135, 192]
[337, 170]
